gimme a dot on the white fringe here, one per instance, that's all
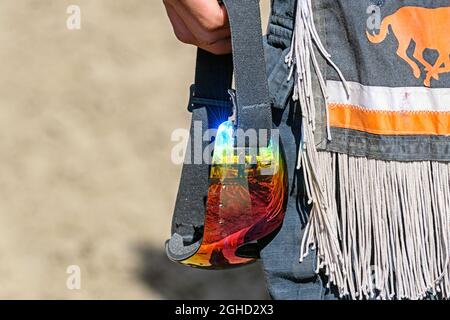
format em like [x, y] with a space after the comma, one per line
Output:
[381, 229]
[392, 225]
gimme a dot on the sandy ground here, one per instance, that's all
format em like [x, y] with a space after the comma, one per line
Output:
[85, 171]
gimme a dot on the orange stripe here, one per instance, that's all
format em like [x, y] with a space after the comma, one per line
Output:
[389, 122]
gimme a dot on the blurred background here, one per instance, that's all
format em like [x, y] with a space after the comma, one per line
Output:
[85, 172]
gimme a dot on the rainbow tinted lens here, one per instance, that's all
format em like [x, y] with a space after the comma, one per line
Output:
[246, 200]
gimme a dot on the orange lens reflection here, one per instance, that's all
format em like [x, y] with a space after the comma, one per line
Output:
[246, 200]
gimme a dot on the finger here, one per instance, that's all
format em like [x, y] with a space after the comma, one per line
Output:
[219, 48]
[207, 12]
[180, 29]
[210, 41]
[204, 36]
[206, 19]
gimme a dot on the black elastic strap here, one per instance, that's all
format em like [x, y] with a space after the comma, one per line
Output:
[210, 105]
[213, 75]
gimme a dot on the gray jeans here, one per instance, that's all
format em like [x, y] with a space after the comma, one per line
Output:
[287, 278]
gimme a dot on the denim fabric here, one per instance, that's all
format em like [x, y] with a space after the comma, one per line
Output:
[278, 42]
[287, 278]
[345, 36]
[364, 62]
[281, 23]
[342, 24]
[279, 86]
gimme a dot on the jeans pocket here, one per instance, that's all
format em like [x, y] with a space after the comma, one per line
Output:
[280, 86]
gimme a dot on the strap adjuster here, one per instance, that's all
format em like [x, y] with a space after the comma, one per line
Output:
[198, 102]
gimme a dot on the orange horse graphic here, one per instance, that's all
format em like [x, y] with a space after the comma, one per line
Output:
[429, 29]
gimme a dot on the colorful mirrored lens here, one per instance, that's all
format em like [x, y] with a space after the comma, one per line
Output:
[246, 200]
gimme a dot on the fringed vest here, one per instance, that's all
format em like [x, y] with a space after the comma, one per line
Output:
[372, 80]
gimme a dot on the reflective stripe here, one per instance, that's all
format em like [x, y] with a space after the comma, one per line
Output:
[389, 122]
[390, 99]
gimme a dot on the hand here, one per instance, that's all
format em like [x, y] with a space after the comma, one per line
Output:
[203, 23]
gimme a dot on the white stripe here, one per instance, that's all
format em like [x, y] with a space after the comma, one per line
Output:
[390, 99]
